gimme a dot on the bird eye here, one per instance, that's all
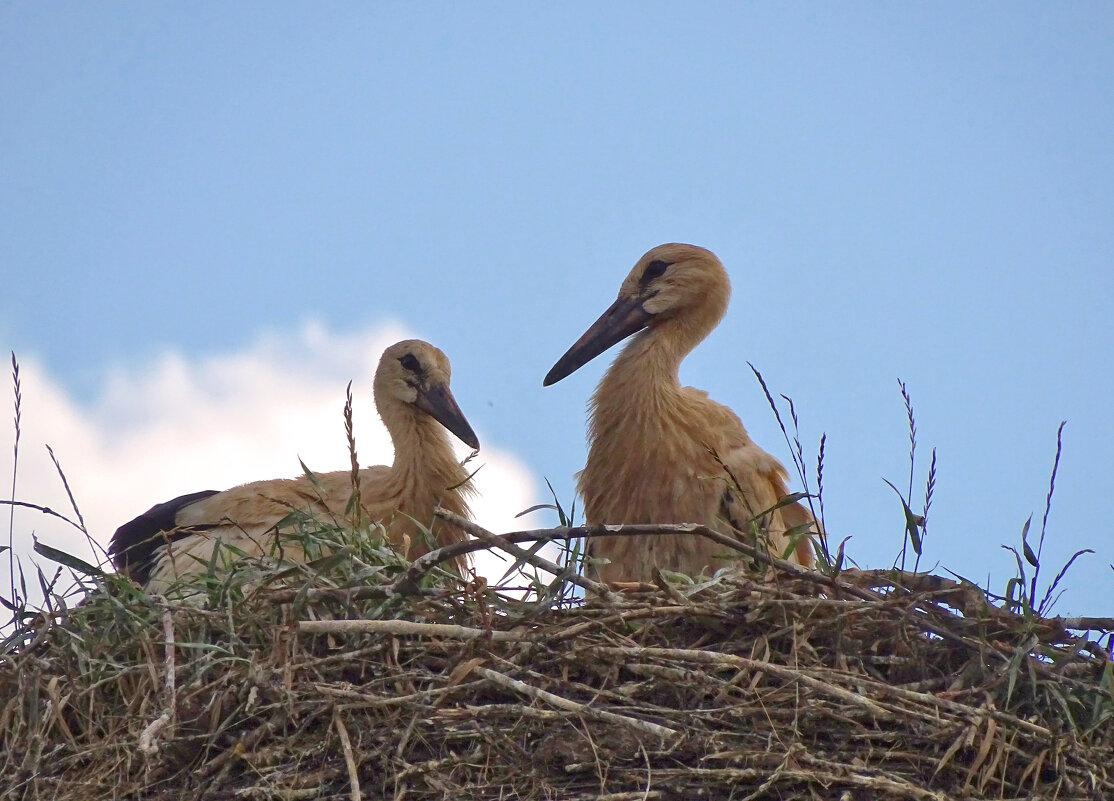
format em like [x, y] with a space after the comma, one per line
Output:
[410, 362]
[654, 270]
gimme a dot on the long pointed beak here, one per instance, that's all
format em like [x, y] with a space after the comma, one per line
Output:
[624, 317]
[438, 402]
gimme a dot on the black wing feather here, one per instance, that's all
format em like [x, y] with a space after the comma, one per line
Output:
[134, 545]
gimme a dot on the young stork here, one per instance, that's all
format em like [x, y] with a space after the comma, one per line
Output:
[412, 395]
[662, 453]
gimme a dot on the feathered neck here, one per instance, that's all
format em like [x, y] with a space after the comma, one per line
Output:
[645, 373]
[422, 447]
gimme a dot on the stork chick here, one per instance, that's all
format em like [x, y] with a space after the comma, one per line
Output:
[662, 453]
[412, 396]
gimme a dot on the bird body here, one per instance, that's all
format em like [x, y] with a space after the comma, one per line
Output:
[412, 395]
[660, 452]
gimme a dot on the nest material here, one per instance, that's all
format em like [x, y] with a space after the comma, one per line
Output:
[771, 686]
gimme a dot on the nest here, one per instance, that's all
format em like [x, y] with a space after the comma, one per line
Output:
[776, 683]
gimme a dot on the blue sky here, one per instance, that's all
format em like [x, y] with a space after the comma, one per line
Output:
[897, 190]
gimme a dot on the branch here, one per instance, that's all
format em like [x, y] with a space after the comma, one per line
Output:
[346, 594]
[498, 541]
[1105, 624]
[424, 563]
[405, 627]
[573, 706]
[737, 662]
[346, 746]
[148, 744]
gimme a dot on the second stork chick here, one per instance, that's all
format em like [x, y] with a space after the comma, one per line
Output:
[663, 453]
[412, 395]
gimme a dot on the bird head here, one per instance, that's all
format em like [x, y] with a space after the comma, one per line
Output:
[416, 373]
[671, 282]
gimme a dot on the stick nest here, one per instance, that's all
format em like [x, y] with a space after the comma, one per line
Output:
[767, 685]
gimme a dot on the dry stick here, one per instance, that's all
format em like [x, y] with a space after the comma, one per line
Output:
[573, 706]
[57, 704]
[770, 782]
[406, 627]
[716, 658]
[498, 541]
[955, 592]
[1083, 623]
[731, 660]
[350, 594]
[358, 700]
[424, 563]
[886, 784]
[891, 787]
[147, 745]
[349, 758]
[577, 629]
[496, 710]
[219, 765]
[967, 711]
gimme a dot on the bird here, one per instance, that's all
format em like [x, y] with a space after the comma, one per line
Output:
[660, 452]
[412, 396]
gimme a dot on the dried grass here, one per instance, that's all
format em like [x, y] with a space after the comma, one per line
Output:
[776, 684]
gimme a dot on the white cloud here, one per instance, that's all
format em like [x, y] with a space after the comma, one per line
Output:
[179, 425]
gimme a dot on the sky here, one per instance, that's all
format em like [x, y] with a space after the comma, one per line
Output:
[213, 216]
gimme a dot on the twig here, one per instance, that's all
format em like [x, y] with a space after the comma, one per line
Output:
[498, 541]
[219, 765]
[349, 758]
[770, 782]
[147, 738]
[424, 563]
[347, 595]
[1104, 624]
[733, 661]
[360, 700]
[573, 706]
[405, 628]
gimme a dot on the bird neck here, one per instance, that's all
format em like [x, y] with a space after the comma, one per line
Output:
[651, 360]
[422, 449]
[642, 382]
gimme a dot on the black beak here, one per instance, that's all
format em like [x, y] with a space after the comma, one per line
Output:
[624, 317]
[438, 402]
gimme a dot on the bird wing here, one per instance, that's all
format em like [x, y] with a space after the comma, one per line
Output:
[136, 545]
[757, 481]
[180, 535]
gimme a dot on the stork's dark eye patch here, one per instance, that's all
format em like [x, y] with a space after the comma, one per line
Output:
[654, 270]
[411, 363]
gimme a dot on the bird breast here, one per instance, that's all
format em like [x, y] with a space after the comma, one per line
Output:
[649, 462]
